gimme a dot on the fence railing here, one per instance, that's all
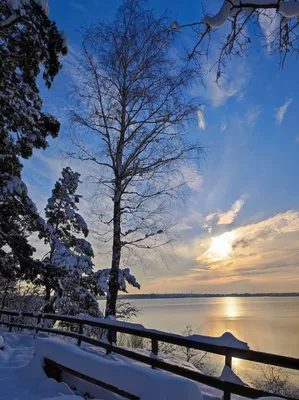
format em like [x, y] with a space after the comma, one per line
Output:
[229, 353]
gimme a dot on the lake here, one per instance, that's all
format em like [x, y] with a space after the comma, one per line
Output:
[269, 324]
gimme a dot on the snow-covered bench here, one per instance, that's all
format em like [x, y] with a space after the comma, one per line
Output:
[54, 370]
[136, 380]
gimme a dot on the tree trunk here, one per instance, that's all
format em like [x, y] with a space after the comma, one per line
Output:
[116, 254]
[47, 292]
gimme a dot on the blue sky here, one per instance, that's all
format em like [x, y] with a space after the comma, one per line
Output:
[246, 191]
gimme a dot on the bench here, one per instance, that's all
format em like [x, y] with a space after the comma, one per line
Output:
[54, 370]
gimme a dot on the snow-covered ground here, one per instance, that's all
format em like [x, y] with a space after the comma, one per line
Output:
[19, 382]
[22, 376]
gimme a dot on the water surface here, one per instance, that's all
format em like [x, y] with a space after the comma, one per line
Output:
[268, 324]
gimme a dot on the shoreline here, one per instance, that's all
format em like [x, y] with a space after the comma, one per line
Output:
[199, 295]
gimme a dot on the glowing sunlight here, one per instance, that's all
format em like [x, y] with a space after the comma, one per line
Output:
[221, 246]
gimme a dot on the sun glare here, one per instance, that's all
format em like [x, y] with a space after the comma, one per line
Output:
[222, 245]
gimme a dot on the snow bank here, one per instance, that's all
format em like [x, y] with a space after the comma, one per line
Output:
[144, 382]
[1, 342]
[227, 340]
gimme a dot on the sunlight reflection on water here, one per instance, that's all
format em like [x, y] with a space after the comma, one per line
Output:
[269, 324]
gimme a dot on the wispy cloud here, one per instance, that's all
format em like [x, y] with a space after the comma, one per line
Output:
[223, 126]
[297, 138]
[78, 6]
[252, 115]
[201, 120]
[269, 21]
[281, 111]
[230, 84]
[228, 217]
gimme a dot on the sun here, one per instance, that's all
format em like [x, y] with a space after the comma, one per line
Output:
[221, 245]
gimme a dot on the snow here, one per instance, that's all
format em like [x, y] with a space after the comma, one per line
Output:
[67, 397]
[228, 375]
[124, 277]
[175, 26]
[1, 342]
[220, 18]
[286, 9]
[22, 376]
[146, 383]
[289, 9]
[227, 340]
[17, 4]
[18, 381]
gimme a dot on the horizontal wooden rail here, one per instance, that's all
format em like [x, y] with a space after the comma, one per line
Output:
[155, 336]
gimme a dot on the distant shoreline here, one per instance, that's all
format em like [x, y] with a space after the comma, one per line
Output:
[199, 295]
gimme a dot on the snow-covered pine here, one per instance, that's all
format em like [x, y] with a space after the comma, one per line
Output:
[67, 270]
[28, 40]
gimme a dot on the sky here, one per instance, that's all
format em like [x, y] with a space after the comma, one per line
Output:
[239, 229]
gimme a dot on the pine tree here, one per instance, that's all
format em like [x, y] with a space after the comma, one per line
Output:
[67, 269]
[28, 40]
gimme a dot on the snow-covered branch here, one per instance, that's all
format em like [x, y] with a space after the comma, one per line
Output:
[282, 37]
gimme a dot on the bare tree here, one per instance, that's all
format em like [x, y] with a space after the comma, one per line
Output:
[277, 381]
[280, 18]
[132, 114]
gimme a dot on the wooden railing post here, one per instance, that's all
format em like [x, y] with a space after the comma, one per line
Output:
[228, 360]
[39, 318]
[155, 348]
[10, 326]
[110, 333]
[81, 329]
[226, 395]
[228, 363]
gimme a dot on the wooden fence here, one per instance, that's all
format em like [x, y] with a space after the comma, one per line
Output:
[229, 353]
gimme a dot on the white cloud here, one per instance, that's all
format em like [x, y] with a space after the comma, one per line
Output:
[231, 83]
[228, 217]
[228, 87]
[201, 120]
[281, 111]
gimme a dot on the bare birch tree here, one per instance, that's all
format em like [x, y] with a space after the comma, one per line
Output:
[277, 22]
[132, 116]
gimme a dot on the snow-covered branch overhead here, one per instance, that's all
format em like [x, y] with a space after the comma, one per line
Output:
[278, 21]
[228, 9]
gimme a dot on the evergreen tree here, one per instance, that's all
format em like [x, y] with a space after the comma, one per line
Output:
[67, 269]
[28, 40]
